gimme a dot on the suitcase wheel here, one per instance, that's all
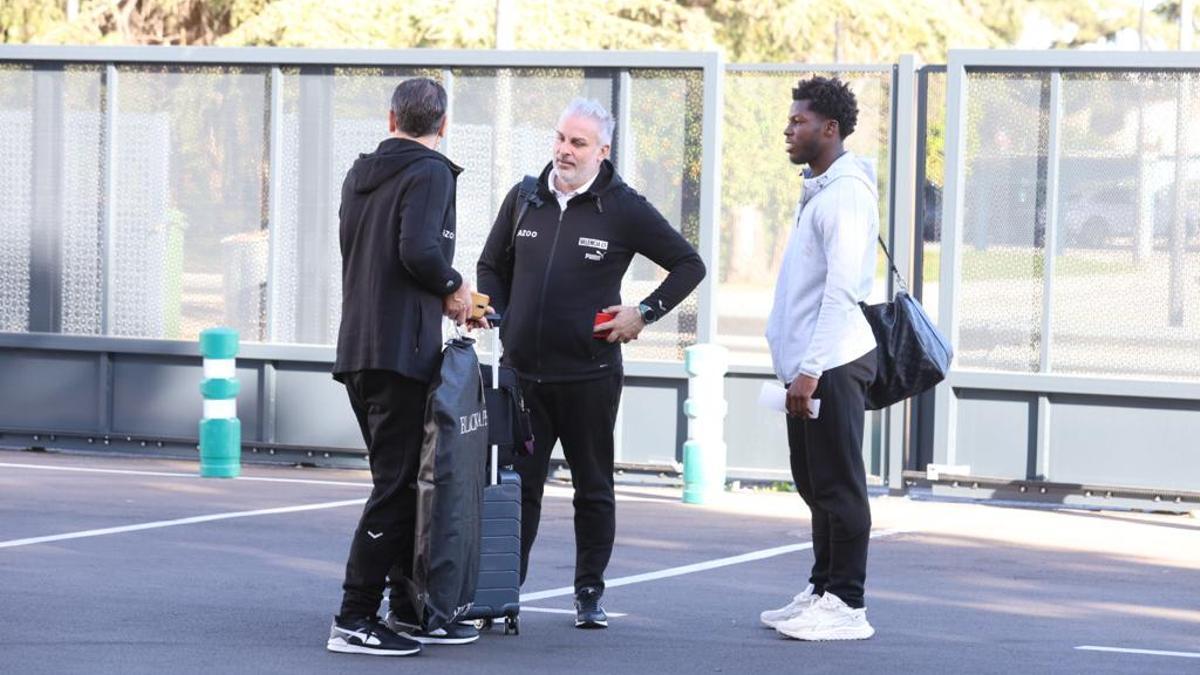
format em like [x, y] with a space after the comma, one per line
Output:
[512, 625]
[483, 624]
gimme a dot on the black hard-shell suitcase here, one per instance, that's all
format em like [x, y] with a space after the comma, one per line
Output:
[498, 591]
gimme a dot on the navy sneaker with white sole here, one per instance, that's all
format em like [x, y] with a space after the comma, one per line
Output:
[588, 612]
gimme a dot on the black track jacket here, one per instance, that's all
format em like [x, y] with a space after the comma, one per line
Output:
[397, 239]
[567, 265]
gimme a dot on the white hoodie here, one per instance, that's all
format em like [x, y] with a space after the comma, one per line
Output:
[816, 324]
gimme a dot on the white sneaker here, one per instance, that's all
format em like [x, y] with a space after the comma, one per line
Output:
[773, 617]
[828, 619]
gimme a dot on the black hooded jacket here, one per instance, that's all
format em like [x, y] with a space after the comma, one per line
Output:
[397, 240]
[568, 265]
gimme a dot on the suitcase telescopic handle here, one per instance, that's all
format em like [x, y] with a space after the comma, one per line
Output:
[495, 470]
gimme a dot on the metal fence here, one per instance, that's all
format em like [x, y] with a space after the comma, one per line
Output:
[759, 190]
[153, 193]
[149, 193]
[1069, 270]
[759, 187]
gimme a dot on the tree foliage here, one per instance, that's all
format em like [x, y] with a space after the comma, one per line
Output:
[747, 30]
[844, 30]
[622, 24]
[26, 20]
[139, 22]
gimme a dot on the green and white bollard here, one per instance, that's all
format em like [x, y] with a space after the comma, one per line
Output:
[220, 429]
[704, 453]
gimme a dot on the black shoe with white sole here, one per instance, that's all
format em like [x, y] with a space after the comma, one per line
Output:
[368, 635]
[588, 612]
[451, 634]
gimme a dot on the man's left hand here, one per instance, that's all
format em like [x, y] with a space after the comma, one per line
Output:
[481, 323]
[625, 326]
[799, 395]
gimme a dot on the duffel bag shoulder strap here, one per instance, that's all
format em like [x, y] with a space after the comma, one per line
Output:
[903, 286]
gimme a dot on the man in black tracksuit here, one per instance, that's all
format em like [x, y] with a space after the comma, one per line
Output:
[564, 263]
[397, 228]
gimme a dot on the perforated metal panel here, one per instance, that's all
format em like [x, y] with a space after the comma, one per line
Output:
[1126, 252]
[142, 264]
[1126, 286]
[472, 146]
[663, 142]
[929, 194]
[1000, 296]
[502, 128]
[288, 232]
[189, 243]
[760, 188]
[83, 141]
[329, 118]
[16, 184]
[190, 201]
[285, 228]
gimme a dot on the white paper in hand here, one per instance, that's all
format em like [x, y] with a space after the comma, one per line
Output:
[773, 396]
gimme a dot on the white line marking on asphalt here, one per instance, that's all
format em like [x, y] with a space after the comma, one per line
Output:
[695, 567]
[48, 467]
[558, 492]
[561, 492]
[178, 521]
[176, 474]
[1146, 652]
[555, 610]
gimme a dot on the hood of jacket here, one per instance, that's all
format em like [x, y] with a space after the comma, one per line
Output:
[849, 166]
[391, 157]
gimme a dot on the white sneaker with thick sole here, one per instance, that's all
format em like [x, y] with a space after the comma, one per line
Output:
[828, 619]
[799, 604]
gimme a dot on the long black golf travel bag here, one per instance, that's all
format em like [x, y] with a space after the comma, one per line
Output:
[498, 592]
[450, 483]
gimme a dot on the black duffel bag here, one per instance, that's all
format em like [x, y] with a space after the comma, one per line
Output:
[450, 485]
[509, 425]
[913, 355]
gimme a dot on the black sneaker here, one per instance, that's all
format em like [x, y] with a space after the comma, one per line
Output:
[451, 634]
[588, 612]
[368, 636]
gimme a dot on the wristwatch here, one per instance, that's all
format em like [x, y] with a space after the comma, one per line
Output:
[649, 315]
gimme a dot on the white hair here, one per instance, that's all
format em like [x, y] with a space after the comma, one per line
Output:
[586, 107]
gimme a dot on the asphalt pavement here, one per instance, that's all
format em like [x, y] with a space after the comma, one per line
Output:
[127, 565]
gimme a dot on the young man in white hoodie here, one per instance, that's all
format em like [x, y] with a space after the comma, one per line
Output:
[824, 351]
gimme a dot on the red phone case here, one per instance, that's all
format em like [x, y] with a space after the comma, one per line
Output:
[602, 317]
